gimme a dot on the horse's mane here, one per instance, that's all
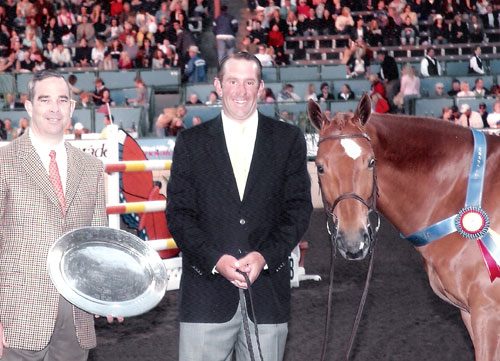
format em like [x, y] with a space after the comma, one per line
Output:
[417, 142]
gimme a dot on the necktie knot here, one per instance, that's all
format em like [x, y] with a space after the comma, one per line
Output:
[52, 154]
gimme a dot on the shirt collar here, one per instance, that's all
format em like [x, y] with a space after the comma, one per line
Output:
[44, 149]
[250, 124]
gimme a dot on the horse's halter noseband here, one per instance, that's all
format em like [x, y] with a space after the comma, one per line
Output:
[371, 203]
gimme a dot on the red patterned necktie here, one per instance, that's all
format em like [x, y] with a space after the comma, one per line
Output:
[55, 179]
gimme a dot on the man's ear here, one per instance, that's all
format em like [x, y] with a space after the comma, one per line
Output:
[73, 106]
[218, 86]
[28, 105]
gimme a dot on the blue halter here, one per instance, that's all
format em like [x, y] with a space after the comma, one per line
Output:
[472, 205]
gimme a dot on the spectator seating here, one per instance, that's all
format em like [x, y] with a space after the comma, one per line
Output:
[208, 112]
[333, 71]
[431, 107]
[84, 116]
[7, 83]
[270, 74]
[427, 84]
[474, 102]
[161, 78]
[268, 109]
[205, 112]
[494, 66]
[343, 106]
[456, 68]
[292, 73]
[201, 89]
[14, 116]
[333, 55]
[118, 79]
[85, 80]
[22, 80]
[125, 117]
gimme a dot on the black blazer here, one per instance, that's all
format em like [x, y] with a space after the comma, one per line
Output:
[207, 218]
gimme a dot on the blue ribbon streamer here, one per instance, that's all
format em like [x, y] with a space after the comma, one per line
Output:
[474, 196]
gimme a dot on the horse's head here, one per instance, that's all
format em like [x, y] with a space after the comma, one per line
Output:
[346, 171]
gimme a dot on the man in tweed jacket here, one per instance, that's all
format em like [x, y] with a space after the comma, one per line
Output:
[36, 323]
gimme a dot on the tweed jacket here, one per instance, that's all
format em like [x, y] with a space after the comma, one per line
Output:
[207, 218]
[30, 222]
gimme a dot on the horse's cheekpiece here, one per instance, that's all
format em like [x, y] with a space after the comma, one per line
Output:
[472, 222]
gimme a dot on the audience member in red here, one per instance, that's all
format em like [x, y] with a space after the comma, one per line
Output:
[303, 8]
[275, 38]
[116, 7]
[378, 95]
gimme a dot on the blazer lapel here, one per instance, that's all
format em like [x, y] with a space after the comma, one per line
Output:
[33, 167]
[261, 158]
[217, 148]
[75, 161]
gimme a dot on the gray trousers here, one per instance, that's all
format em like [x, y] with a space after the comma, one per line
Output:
[63, 345]
[219, 341]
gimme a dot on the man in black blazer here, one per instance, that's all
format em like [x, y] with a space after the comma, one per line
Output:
[491, 19]
[238, 201]
[389, 74]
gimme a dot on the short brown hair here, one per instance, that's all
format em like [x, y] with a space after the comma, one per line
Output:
[42, 75]
[241, 55]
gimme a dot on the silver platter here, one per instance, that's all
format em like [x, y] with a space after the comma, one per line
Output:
[107, 272]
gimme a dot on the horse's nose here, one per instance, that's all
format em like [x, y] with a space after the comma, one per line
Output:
[354, 246]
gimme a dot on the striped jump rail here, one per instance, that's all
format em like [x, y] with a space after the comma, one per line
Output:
[138, 166]
[136, 207]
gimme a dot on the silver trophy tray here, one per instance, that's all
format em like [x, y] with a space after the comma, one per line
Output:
[107, 272]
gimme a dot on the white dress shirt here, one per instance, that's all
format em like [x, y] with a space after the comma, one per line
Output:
[240, 142]
[43, 151]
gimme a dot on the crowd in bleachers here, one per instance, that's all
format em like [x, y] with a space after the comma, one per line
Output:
[107, 35]
[366, 36]
[154, 34]
[98, 36]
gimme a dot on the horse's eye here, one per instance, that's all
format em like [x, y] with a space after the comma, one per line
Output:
[320, 169]
[371, 163]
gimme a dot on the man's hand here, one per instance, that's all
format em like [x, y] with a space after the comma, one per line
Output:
[111, 319]
[227, 266]
[252, 264]
[3, 342]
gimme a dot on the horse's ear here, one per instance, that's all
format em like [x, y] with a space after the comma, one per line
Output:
[364, 109]
[316, 116]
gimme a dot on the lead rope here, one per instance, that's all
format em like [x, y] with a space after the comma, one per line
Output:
[333, 252]
[246, 326]
[362, 301]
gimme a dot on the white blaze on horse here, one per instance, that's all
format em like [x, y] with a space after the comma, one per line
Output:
[438, 184]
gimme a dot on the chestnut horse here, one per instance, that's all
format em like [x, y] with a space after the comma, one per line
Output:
[417, 170]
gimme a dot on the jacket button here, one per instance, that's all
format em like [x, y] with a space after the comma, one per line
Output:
[242, 221]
